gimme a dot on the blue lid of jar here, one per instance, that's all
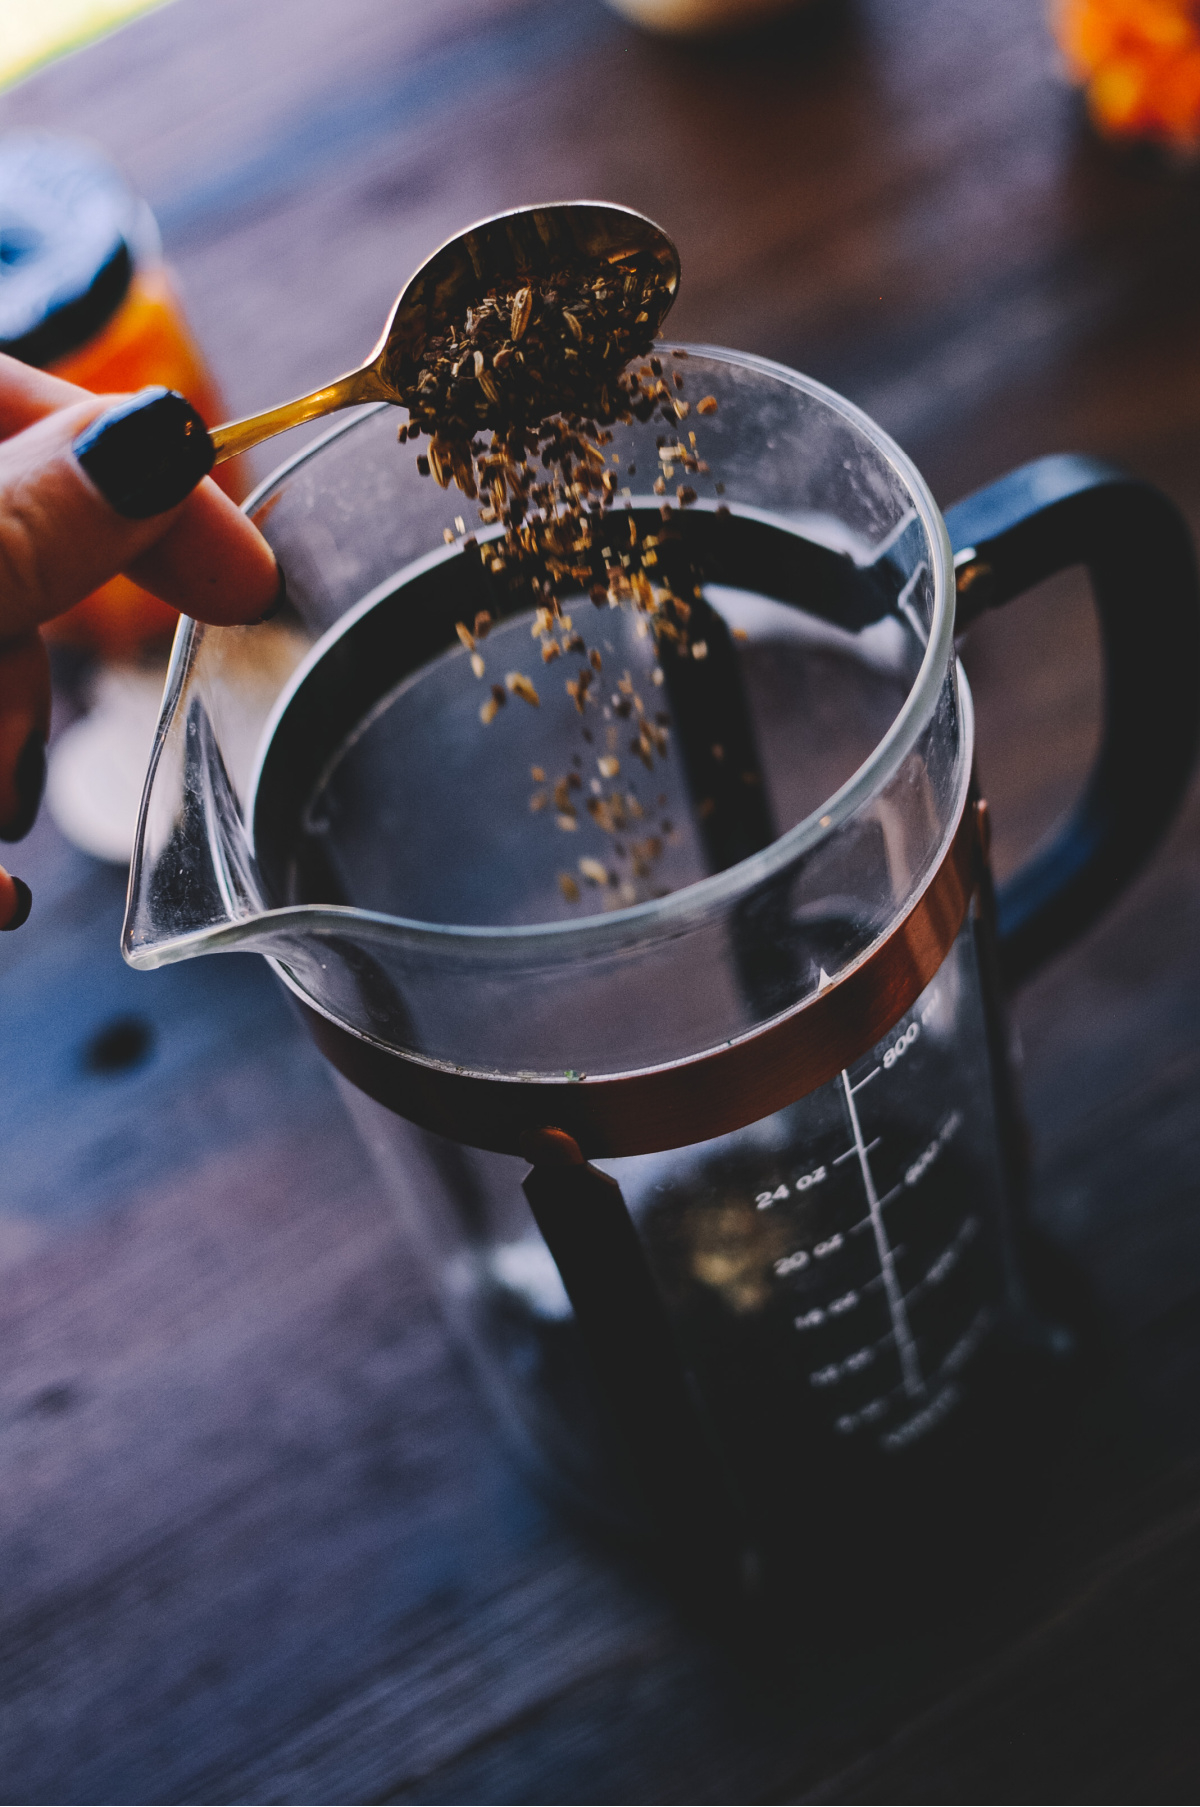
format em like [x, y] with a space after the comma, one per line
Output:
[68, 223]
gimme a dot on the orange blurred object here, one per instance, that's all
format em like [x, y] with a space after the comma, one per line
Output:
[1139, 64]
[84, 293]
[146, 341]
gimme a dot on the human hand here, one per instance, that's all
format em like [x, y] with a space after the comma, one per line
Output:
[77, 506]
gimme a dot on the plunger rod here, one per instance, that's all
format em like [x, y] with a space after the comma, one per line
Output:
[629, 1345]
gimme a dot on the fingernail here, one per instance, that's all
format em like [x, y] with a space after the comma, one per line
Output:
[146, 454]
[29, 780]
[24, 904]
[278, 602]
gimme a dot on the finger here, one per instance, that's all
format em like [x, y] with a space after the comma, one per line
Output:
[28, 395]
[212, 563]
[61, 537]
[15, 901]
[24, 725]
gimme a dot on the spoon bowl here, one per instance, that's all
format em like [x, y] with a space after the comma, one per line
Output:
[523, 243]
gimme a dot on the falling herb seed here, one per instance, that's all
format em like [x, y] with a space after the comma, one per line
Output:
[477, 664]
[568, 887]
[439, 462]
[522, 307]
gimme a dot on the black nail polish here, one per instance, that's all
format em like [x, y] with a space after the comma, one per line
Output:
[29, 780]
[278, 602]
[24, 905]
[146, 454]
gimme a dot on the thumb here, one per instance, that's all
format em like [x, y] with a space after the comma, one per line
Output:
[95, 488]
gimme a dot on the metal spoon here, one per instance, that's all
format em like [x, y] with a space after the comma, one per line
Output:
[523, 243]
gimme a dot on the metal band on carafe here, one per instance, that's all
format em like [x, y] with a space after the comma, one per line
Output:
[705, 1095]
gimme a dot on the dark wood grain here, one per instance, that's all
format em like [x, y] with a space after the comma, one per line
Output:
[259, 1540]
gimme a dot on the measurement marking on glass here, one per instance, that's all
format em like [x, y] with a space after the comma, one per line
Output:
[947, 1261]
[852, 1153]
[906, 1348]
[925, 1161]
[763, 1200]
[867, 1414]
[900, 1047]
[930, 1415]
[968, 1342]
[870, 1076]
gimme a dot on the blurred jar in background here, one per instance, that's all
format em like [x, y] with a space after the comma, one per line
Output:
[84, 293]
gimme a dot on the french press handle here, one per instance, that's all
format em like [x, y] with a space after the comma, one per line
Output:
[1137, 549]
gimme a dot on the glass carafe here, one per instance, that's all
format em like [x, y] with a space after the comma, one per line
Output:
[701, 1113]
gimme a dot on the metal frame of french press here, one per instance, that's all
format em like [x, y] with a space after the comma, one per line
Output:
[1050, 515]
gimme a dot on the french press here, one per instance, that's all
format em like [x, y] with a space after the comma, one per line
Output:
[722, 1186]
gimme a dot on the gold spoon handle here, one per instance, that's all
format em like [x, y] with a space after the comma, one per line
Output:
[237, 436]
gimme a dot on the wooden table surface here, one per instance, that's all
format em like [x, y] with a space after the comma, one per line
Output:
[258, 1539]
